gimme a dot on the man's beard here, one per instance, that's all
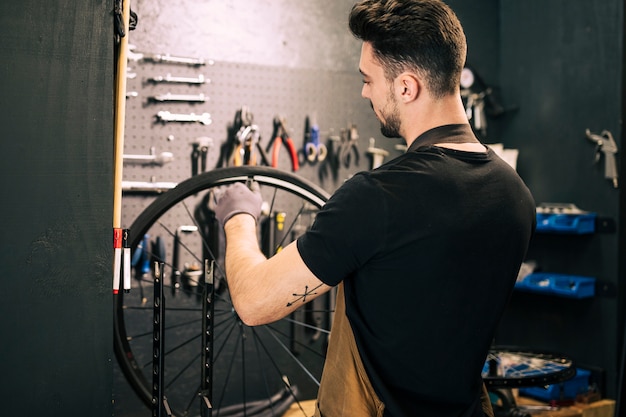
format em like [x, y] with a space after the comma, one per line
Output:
[390, 126]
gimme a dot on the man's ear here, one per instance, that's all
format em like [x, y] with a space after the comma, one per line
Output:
[408, 86]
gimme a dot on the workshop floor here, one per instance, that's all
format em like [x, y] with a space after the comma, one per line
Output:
[127, 404]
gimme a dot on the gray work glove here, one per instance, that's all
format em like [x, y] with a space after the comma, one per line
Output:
[236, 199]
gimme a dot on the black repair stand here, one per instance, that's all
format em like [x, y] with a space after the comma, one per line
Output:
[160, 406]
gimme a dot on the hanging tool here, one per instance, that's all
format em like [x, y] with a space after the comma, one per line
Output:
[377, 155]
[605, 144]
[348, 146]
[331, 163]
[313, 151]
[177, 273]
[141, 265]
[199, 154]
[479, 99]
[150, 187]
[165, 58]
[281, 135]
[165, 116]
[475, 111]
[246, 142]
[152, 159]
[187, 98]
[168, 78]
[170, 59]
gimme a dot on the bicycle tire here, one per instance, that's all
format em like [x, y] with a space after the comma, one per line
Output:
[284, 184]
[512, 366]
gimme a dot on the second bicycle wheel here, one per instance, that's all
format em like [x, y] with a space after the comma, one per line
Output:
[257, 371]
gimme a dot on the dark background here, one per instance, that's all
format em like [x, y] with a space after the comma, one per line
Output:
[557, 67]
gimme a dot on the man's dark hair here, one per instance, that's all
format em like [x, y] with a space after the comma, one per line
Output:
[423, 36]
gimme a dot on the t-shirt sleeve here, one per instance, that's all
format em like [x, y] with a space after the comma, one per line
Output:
[347, 232]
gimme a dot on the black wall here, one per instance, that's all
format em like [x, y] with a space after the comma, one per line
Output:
[557, 68]
[561, 64]
[56, 112]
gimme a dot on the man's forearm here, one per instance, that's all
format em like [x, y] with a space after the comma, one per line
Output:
[265, 290]
[243, 258]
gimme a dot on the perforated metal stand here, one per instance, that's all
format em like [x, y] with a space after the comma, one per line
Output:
[208, 298]
[160, 406]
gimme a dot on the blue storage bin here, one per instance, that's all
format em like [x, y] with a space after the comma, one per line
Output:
[567, 390]
[571, 286]
[566, 223]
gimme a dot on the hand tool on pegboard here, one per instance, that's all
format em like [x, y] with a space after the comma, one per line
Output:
[377, 155]
[280, 137]
[605, 144]
[312, 150]
[150, 159]
[121, 259]
[243, 142]
[348, 146]
[199, 154]
[330, 165]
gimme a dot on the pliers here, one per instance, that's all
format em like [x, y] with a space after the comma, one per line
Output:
[348, 146]
[246, 140]
[281, 135]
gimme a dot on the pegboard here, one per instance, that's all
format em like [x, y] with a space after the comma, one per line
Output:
[332, 97]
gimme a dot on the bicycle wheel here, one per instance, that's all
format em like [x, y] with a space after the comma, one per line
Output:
[510, 366]
[256, 370]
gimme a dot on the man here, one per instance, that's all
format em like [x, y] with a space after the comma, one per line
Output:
[425, 249]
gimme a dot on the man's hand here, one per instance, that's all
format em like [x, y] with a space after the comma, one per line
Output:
[236, 199]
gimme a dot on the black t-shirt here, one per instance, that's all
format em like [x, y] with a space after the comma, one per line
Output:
[428, 247]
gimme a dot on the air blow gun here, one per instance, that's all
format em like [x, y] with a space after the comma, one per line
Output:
[605, 144]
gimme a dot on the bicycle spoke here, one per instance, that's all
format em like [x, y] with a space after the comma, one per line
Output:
[264, 373]
[171, 327]
[243, 368]
[205, 244]
[276, 367]
[290, 228]
[313, 351]
[177, 347]
[296, 360]
[227, 379]
[182, 371]
[258, 376]
[308, 326]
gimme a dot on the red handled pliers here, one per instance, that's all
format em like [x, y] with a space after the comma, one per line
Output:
[281, 135]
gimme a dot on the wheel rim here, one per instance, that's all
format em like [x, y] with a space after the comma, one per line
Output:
[511, 366]
[281, 361]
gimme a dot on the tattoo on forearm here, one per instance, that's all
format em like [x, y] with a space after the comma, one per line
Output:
[304, 295]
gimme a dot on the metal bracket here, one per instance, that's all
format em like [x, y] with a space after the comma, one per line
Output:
[208, 324]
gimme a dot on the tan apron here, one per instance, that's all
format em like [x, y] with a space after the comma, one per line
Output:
[345, 389]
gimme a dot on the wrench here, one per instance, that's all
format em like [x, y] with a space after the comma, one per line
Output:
[169, 59]
[192, 98]
[152, 159]
[180, 80]
[165, 116]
